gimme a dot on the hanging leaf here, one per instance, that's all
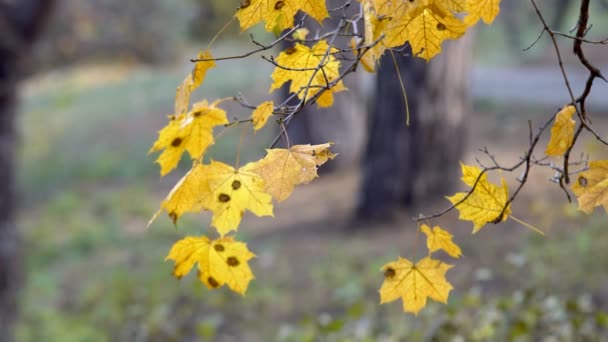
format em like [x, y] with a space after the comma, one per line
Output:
[220, 262]
[591, 187]
[192, 81]
[415, 283]
[562, 132]
[283, 169]
[302, 66]
[485, 203]
[439, 239]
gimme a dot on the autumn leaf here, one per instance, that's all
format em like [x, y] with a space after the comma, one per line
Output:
[222, 261]
[192, 132]
[591, 186]
[562, 132]
[415, 283]
[192, 81]
[283, 169]
[185, 195]
[438, 238]
[427, 31]
[485, 203]
[424, 24]
[278, 15]
[261, 114]
[298, 64]
[487, 10]
[229, 192]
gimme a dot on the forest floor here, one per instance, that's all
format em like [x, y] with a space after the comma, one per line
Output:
[96, 273]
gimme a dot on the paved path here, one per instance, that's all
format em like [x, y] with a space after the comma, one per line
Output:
[536, 85]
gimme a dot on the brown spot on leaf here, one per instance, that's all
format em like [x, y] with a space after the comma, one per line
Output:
[290, 50]
[197, 113]
[389, 272]
[173, 216]
[440, 27]
[212, 282]
[236, 185]
[219, 247]
[279, 4]
[245, 4]
[224, 198]
[582, 181]
[176, 142]
[175, 273]
[232, 261]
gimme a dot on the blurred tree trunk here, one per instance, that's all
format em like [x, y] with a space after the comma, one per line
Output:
[405, 165]
[20, 23]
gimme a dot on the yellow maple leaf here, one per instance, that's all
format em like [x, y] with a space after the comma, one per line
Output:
[185, 195]
[228, 193]
[261, 114]
[278, 15]
[591, 186]
[485, 203]
[372, 33]
[484, 9]
[192, 132]
[438, 238]
[220, 262]
[562, 132]
[283, 169]
[428, 30]
[415, 283]
[298, 64]
[192, 81]
[425, 24]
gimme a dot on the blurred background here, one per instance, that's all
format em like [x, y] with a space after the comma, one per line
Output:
[86, 85]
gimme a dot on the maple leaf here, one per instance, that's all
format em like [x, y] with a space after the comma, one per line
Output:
[192, 132]
[484, 9]
[283, 169]
[438, 238]
[185, 195]
[415, 283]
[220, 262]
[261, 114]
[228, 193]
[192, 81]
[428, 30]
[424, 24]
[485, 203]
[278, 15]
[562, 132]
[298, 64]
[591, 186]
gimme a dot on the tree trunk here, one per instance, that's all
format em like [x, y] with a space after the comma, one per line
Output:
[411, 165]
[20, 23]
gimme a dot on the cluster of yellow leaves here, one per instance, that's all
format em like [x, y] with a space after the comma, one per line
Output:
[591, 186]
[414, 283]
[485, 203]
[424, 24]
[310, 71]
[223, 190]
